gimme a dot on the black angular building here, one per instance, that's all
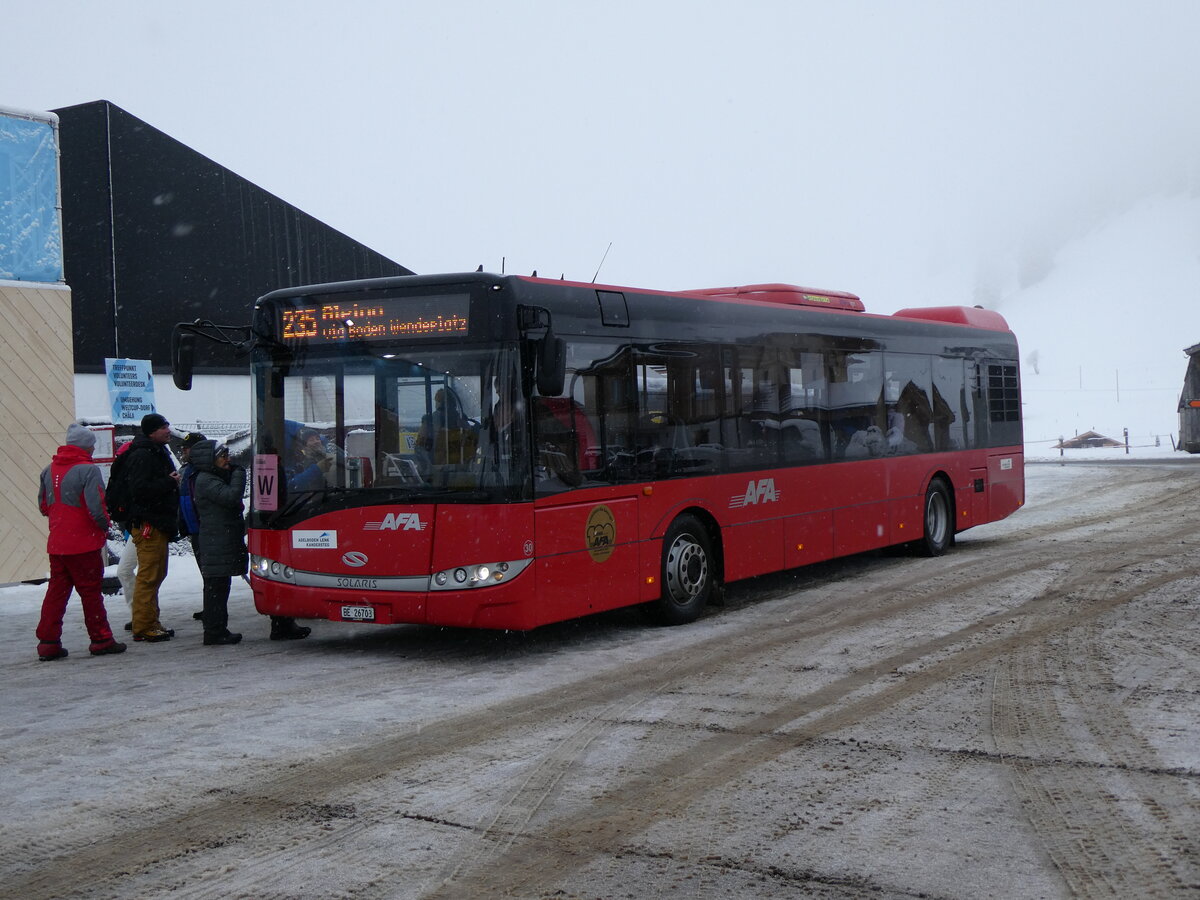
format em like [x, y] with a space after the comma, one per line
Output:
[155, 233]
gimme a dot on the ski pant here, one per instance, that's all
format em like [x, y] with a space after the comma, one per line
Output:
[151, 572]
[84, 572]
[126, 569]
[216, 605]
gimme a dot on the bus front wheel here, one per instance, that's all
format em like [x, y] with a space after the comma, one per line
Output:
[939, 519]
[688, 573]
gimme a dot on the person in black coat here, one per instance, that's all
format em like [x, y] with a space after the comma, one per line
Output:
[154, 509]
[221, 548]
[218, 491]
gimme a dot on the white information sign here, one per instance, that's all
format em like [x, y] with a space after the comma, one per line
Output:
[130, 389]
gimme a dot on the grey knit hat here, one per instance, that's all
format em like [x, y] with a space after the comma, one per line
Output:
[78, 436]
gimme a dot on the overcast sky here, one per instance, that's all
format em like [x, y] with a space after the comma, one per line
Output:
[912, 152]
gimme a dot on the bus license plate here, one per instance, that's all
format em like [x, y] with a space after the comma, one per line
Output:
[359, 613]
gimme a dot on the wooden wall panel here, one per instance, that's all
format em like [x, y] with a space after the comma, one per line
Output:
[37, 402]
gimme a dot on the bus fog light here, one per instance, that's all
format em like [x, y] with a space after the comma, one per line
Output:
[476, 575]
[289, 573]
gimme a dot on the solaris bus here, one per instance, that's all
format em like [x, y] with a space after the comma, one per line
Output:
[494, 451]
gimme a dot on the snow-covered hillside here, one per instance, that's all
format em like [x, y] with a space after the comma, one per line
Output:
[1102, 332]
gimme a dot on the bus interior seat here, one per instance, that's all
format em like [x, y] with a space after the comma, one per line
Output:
[360, 473]
[454, 446]
[801, 439]
[665, 447]
[401, 468]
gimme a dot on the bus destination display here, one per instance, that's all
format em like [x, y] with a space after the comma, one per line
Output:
[394, 318]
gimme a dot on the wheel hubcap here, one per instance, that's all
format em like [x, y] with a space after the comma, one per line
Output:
[687, 569]
[935, 518]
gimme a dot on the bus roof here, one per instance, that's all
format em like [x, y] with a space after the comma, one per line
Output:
[817, 298]
[973, 316]
[789, 294]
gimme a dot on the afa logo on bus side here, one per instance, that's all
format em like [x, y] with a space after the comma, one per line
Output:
[600, 535]
[761, 491]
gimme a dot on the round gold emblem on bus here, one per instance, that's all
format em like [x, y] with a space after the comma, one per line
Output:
[601, 533]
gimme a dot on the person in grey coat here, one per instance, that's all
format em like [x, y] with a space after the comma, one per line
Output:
[218, 491]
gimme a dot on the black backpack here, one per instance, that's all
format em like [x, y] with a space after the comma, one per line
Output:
[117, 495]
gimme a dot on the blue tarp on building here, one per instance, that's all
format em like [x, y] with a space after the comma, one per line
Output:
[30, 231]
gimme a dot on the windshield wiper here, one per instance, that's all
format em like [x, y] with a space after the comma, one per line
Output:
[297, 500]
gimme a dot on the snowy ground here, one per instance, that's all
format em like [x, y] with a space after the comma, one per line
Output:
[1019, 718]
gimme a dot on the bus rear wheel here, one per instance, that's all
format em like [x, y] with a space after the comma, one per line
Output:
[939, 519]
[688, 573]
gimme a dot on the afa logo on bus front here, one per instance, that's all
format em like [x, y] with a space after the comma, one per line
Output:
[397, 522]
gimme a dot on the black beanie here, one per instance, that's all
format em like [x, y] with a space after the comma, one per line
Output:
[151, 422]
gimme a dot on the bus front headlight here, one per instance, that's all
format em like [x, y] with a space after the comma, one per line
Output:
[476, 575]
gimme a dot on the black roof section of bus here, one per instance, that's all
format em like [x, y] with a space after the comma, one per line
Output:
[729, 314]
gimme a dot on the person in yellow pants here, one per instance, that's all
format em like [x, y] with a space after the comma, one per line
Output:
[153, 521]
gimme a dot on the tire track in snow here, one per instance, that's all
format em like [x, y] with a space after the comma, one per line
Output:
[177, 833]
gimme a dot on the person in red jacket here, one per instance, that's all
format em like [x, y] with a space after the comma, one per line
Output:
[71, 495]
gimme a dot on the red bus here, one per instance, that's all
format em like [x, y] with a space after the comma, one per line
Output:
[503, 452]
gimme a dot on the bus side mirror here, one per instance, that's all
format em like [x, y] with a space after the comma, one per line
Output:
[551, 365]
[183, 352]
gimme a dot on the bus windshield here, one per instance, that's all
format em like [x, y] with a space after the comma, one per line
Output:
[355, 427]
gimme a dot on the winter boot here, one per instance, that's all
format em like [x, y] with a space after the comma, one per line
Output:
[226, 637]
[107, 647]
[48, 650]
[154, 635]
[285, 629]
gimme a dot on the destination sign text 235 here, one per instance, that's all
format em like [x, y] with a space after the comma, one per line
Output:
[394, 318]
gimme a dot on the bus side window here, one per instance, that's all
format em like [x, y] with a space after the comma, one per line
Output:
[1004, 404]
[557, 425]
[750, 420]
[976, 385]
[951, 412]
[601, 380]
[855, 405]
[909, 411]
[681, 421]
[802, 431]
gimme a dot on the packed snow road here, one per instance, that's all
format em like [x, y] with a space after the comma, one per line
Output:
[1019, 718]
